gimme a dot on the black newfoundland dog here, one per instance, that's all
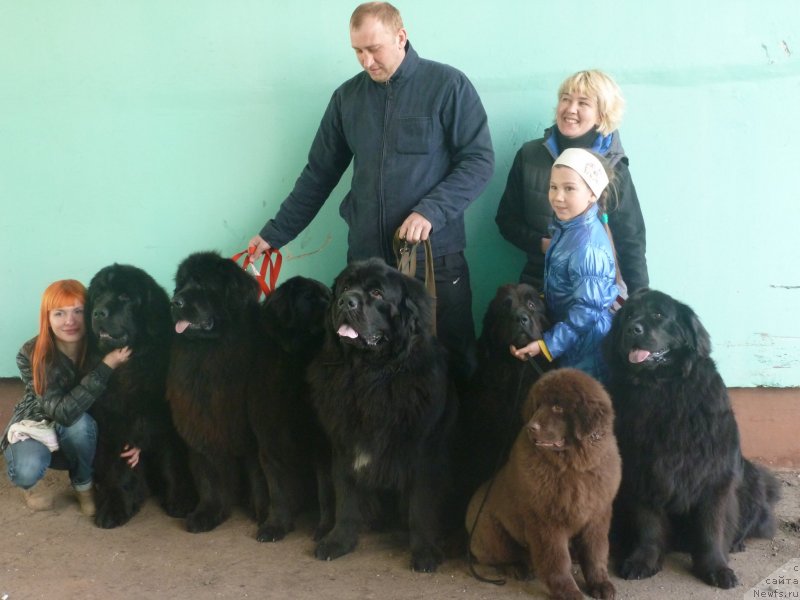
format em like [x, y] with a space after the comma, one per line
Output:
[493, 401]
[235, 386]
[685, 484]
[381, 390]
[128, 308]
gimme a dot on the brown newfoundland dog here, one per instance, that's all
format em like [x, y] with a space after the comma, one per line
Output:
[381, 390]
[557, 488]
[685, 484]
[492, 403]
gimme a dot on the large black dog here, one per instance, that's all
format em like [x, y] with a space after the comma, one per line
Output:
[381, 390]
[214, 371]
[128, 308]
[493, 401]
[685, 484]
[235, 386]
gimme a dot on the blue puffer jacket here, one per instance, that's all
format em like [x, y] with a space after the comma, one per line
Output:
[419, 143]
[579, 287]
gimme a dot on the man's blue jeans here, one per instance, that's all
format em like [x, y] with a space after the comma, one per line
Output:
[28, 460]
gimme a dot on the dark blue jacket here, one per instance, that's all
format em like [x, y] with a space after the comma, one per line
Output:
[579, 288]
[419, 142]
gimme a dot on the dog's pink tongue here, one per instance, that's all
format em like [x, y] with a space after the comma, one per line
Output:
[637, 355]
[347, 331]
[181, 326]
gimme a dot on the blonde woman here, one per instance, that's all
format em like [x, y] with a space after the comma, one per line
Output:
[589, 111]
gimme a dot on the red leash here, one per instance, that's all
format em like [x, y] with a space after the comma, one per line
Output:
[271, 264]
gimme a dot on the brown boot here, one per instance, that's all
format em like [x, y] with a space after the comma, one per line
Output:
[86, 500]
[38, 498]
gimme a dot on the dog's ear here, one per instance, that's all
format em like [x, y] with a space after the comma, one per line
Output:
[241, 289]
[155, 308]
[612, 344]
[698, 339]
[590, 418]
[416, 306]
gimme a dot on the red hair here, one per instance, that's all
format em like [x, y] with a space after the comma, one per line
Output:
[66, 292]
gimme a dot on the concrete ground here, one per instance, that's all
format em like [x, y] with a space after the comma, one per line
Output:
[61, 554]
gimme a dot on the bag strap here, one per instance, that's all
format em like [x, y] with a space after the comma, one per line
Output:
[271, 264]
[406, 256]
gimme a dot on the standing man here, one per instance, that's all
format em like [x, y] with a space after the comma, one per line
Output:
[419, 140]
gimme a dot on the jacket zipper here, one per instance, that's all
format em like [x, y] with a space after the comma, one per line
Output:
[381, 199]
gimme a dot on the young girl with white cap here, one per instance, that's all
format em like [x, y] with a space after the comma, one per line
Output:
[580, 282]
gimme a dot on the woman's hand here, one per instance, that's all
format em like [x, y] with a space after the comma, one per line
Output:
[116, 357]
[526, 352]
[131, 455]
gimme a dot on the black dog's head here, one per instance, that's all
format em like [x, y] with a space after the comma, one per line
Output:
[379, 310]
[653, 330]
[126, 307]
[212, 294]
[516, 315]
[567, 411]
[294, 315]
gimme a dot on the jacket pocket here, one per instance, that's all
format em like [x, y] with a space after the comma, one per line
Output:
[414, 135]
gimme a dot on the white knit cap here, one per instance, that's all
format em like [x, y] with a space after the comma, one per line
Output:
[585, 164]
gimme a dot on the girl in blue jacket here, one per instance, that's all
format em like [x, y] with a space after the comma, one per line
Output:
[580, 270]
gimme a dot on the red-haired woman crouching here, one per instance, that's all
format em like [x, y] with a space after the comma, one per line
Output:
[50, 426]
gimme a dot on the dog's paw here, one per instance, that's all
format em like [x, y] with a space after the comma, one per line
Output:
[113, 510]
[322, 529]
[566, 594]
[425, 560]
[602, 589]
[721, 577]
[111, 516]
[204, 520]
[333, 546]
[271, 533]
[738, 547]
[635, 568]
[178, 508]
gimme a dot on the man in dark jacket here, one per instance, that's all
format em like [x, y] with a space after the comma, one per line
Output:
[418, 137]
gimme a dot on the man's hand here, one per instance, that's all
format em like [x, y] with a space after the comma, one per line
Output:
[257, 246]
[415, 228]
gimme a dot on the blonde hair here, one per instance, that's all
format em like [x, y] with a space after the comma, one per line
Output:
[382, 11]
[600, 86]
[66, 292]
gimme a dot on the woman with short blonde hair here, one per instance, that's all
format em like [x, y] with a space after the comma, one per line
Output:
[588, 114]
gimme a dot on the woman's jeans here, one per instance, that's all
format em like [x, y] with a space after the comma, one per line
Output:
[28, 460]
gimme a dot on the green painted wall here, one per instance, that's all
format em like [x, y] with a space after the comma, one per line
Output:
[139, 132]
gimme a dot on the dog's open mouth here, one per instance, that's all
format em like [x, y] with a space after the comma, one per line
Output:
[556, 445]
[118, 340]
[346, 331]
[639, 355]
[181, 326]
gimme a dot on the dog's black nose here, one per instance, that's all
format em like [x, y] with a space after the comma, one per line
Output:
[100, 313]
[177, 302]
[524, 319]
[350, 301]
[636, 329]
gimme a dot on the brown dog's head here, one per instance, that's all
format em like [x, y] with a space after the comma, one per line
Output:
[567, 412]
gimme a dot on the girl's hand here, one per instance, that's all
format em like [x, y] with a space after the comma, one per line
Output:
[116, 357]
[526, 352]
[131, 455]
